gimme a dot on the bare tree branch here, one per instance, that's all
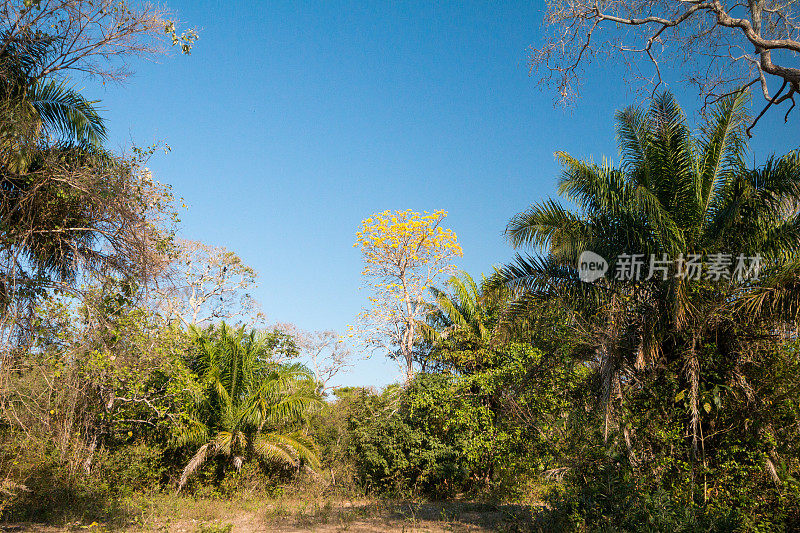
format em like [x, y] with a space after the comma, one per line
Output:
[94, 37]
[721, 46]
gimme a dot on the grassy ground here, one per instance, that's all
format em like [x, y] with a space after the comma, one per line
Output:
[285, 514]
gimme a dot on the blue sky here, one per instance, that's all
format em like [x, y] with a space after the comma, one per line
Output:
[291, 122]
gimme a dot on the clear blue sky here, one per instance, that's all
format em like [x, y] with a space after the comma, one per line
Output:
[291, 122]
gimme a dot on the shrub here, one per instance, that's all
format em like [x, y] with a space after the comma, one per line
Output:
[136, 467]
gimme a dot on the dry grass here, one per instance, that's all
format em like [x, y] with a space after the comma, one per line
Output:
[295, 514]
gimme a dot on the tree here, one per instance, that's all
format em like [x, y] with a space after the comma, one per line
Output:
[723, 45]
[326, 351]
[82, 231]
[251, 406]
[97, 370]
[463, 325]
[673, 195]
[69, 209]
[404, 254]
[93, 37]
[205, 284]
[33, 110]
[77, 214]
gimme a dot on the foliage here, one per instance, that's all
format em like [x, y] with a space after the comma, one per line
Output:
[670, 352]
[672, 195]
[69, 209]
[481, 433]
[97, 375]
[251, 407]
[657, 488]
[393, 452]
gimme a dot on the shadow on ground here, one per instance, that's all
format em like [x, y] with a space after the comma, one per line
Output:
[417, 516]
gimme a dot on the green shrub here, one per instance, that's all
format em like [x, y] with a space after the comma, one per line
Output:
[136, 467]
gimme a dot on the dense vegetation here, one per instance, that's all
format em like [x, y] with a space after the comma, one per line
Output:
[628, 403]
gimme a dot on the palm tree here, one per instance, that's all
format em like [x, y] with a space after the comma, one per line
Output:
[46, 128]
[462, 324]
[35, 112]
[252, 407]
[673, 193]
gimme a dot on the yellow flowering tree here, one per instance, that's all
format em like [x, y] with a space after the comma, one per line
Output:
[404, 253]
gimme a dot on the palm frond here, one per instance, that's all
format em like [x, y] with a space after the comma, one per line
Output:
[191, 431]
[548, 225]
[302, 445]
[271, 449]
[633, 137]
[65, 111]
[206, 450]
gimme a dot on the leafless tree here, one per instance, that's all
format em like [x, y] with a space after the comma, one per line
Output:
[328, 354]
[722, 45]
[95, 37]
[205, 284]
[325, 352]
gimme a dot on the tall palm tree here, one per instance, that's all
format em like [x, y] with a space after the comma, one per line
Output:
[252, 407]
[673, 193]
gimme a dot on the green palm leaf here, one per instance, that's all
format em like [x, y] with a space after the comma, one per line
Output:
[66, 112]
